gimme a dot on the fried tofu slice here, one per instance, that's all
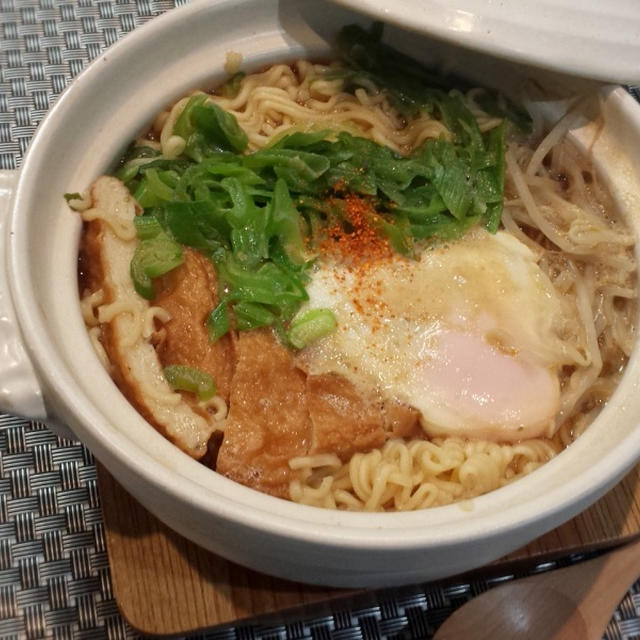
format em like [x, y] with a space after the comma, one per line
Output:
[108, 245]
[268, 421]
[188, 294]
[344, 422]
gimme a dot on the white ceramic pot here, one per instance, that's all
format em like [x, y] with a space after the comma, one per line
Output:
[81, 137]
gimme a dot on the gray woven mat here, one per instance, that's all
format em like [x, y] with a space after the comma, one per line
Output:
[54, 573]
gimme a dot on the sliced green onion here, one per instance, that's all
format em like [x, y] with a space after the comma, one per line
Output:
[218, 322]
[141, 281]
[147, 227]
[311, 326]
[220, 126]
[127, 172]
[398, 233]
[184, 378]
[152, 258]
[284, 223]
[206, 126]
[157, 187]
[251, 315]
[144, 196]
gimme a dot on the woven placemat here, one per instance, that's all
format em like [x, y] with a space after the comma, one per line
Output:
[54, 572]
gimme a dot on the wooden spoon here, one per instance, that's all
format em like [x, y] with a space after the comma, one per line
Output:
[574, 603]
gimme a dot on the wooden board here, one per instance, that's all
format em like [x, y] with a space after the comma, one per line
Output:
[166, 585]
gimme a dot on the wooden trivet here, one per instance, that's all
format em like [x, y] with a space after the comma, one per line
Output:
[166, 585]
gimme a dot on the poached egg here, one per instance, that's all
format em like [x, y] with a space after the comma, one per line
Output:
[469, 334]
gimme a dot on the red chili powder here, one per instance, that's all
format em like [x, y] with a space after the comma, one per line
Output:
[360, 244]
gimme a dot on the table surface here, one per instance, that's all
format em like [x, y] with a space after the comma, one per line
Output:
[54, 569]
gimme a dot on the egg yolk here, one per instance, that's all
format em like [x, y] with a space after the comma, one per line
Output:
[463, 384]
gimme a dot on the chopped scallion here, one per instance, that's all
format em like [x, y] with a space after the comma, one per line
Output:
[147, 227]
[185, 378]
[218, 322]
[152, 258]
[311, 326]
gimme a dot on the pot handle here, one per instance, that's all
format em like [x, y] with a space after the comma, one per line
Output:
[20, 391]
